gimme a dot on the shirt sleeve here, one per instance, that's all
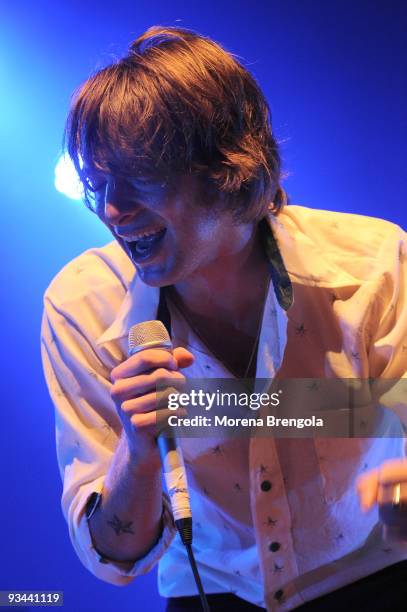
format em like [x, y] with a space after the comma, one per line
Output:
[388, 352]
[87, 432]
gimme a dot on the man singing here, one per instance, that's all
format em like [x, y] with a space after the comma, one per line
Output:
[175, 151]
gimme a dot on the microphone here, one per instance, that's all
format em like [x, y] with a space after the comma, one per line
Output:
[153, 334]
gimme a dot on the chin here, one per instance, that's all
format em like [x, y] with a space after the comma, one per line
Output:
[155, 276]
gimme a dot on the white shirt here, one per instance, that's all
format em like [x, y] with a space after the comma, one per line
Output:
[277, 521]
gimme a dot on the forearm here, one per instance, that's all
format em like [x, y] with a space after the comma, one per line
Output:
[127, 523]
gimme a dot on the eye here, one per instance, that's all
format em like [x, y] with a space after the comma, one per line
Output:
[94, 193]
[96, 186]
[146, 185]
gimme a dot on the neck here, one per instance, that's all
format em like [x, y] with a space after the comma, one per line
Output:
[227, 289]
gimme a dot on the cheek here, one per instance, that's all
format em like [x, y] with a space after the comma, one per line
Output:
[200, 244]
[203, 227]
[210, 237]
[195, 237]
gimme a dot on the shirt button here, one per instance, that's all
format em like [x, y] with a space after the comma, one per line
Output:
[279, 594]
[274, 546]
[265, 485]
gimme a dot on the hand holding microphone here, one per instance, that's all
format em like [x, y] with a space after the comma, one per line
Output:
[151, 364]
[134, 394]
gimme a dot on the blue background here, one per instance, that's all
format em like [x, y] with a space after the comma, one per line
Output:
[335, 75]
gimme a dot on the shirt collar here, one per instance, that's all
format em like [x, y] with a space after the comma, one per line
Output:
[141, 301]
[140, 304]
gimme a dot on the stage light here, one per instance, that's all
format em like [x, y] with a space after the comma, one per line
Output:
[66, 178]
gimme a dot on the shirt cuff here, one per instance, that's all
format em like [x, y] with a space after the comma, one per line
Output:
[115, 572]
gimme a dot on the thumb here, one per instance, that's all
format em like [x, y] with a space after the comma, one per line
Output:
[183, 357]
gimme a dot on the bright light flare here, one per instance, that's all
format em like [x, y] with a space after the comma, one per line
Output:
[67, 179]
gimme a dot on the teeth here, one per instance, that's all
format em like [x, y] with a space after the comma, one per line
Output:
[135, 237]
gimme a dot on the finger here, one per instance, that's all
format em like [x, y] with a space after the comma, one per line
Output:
[146, 403]
[135, 386]
[393, 471]
[183, 357]
[367, 487]
[155, 422]
[143, 362]
[163, 426]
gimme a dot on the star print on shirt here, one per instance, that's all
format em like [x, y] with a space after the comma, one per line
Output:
[120, 526]
[270, 522]
[58, 392]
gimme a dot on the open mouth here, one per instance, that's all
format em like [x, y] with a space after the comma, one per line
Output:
[146, 246]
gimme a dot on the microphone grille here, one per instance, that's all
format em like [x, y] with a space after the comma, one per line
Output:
[148, 334]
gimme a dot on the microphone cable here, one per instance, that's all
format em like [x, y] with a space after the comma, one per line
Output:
[184, 527]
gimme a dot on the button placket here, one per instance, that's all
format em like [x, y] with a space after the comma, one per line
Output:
[274, 536]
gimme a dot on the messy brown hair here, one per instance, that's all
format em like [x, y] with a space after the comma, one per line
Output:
[178, 103]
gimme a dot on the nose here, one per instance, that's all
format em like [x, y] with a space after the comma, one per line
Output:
[119, 208]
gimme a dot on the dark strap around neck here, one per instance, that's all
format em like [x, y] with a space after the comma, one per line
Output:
[279, 275]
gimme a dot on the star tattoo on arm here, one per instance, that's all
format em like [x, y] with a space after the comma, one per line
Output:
[120, 526]
[300, 330]
[217, 450]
